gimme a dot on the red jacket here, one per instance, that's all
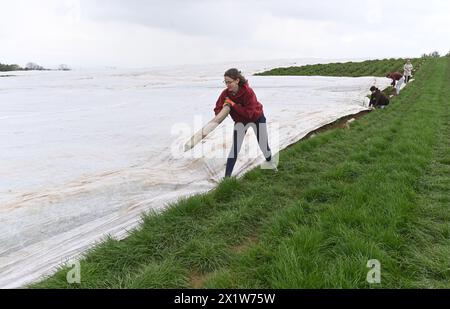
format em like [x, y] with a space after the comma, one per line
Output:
[247, 108]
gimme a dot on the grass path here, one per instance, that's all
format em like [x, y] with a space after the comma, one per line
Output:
[378, 190]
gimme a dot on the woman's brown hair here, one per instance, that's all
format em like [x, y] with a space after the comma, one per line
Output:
[236, 74]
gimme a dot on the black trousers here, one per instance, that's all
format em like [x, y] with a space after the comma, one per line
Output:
[260, 128]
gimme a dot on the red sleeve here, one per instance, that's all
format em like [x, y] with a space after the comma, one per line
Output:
[219, 103]
[250, 108]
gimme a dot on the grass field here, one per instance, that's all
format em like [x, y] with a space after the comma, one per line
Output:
[379, 190]
[348, 69]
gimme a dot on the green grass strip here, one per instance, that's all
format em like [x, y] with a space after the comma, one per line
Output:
[348, 69]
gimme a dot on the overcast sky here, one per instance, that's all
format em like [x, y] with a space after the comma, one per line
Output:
[143, 33]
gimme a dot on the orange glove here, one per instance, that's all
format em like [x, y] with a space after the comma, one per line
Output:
[229, 102]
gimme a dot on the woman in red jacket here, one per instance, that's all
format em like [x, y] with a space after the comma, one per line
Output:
[246, 111]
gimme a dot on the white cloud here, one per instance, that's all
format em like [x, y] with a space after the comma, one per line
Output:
[146, 33]
[374, 14]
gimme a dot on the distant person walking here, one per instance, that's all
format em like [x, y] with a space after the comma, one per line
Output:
[397, 81]
[378, 99]
[407, 70]
[246, 111]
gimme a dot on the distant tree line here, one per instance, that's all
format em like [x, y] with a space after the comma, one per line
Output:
[31, 66]
[9, 67]
[64, 67]
[434, 54]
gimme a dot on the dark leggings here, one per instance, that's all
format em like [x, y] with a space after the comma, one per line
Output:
[239, 132]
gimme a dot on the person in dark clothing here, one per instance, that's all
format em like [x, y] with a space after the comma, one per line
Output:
[378, 99]
[246, 112]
